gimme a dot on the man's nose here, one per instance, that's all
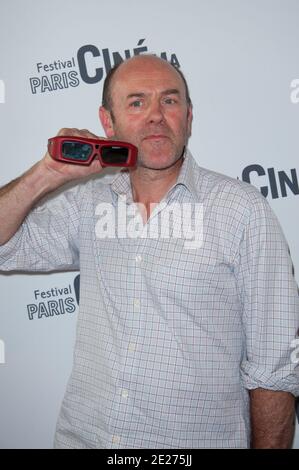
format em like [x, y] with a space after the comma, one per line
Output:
[155, 113]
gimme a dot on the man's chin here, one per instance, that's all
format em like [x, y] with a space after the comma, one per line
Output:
[158, 162]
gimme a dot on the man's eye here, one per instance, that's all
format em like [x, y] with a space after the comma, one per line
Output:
[169, 101]
[136, 104]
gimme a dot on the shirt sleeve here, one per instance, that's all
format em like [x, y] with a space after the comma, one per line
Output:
[269, 295]
[48, 238]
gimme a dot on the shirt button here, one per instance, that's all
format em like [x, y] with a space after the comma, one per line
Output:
[125, 393]
[138, 258]
[115, 439]
[136, 303]
[132, 347]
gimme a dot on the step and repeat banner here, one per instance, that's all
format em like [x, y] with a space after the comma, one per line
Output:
[241, 60]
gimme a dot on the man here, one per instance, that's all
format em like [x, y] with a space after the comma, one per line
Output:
[177, 346]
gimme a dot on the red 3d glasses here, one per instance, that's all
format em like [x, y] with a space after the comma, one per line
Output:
[82, 151]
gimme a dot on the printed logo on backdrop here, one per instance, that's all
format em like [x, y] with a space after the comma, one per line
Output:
[56, 301]
[90, 64]
[271, 182]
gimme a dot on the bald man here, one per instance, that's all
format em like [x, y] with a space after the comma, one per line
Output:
[188, 304]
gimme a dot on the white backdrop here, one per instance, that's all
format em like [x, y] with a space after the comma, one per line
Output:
[241, 60]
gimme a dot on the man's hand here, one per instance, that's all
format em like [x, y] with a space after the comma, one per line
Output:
[62, 172]
[272, 419]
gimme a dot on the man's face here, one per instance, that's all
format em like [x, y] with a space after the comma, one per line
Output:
[150, 111]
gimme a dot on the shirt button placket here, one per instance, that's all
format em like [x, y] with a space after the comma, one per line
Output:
[136, 301]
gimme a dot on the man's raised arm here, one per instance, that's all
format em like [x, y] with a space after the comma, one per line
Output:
[19, 196]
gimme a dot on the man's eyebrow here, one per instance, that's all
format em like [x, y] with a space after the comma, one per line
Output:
[170, 91]
[136, 95]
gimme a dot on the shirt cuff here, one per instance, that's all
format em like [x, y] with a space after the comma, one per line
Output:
[8, 250]
[285, 379]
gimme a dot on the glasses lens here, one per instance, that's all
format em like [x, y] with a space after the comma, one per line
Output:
[114, 154]
[76, 151]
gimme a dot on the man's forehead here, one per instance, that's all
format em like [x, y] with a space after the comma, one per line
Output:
[145, 65]
[148, 79]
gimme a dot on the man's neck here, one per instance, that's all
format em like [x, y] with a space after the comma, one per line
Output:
[150, 186]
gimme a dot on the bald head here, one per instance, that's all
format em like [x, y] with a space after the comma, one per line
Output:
[145, 63]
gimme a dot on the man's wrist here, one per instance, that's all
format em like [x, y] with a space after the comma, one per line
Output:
[40, 180]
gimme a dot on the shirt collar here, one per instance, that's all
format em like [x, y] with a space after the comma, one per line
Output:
[186, 175]
[121, 184]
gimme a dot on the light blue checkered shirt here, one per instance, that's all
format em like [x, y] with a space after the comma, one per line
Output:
[169, 339]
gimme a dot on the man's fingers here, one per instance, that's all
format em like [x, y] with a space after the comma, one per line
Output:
[66, 131]
[74, 132]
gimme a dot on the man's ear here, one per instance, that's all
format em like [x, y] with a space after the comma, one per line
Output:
[189, 120]
[106, 121]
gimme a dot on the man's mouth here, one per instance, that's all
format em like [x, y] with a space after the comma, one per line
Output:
[155, 137]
